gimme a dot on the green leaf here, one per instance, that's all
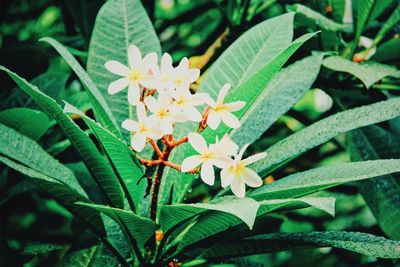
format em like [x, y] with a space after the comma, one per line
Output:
[210, 224]
[382, 194]
[30, 122]
[102, 173]
[84, 13]
[369, 72]
[119, 24]
[320, 20]
[249, 53]
[138, 228]
[324, 130]
[367, 244]
[287, 87]
[243, 208]
[119, 153]
[362, 11]
[388, 51]
[26, 151]
[379, 7]
[307, 182]
[388, 25]
[101, 109]
[89, 257]
[63, 193]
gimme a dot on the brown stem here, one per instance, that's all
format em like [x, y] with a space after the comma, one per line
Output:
[156, 148]
[179, 142]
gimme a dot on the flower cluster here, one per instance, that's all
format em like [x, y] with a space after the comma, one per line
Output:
[162, 97]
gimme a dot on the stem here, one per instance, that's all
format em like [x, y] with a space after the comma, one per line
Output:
[179, 142]
[156, 148]
[154, 194]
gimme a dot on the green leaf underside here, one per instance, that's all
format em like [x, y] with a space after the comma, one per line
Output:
[286, 88]
[26, 151]
[319, 19]
[119, 24]
[324, 130]
[95, 162]
[367, 244]
[369, 72]
[212, 223]
[101, 109]
[62, 193]
[120, 155]
[139, 228]
[32, 123]
[307, 182]
[382, 194]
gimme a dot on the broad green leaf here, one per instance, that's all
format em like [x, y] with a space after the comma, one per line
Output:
[388, 51]
[50, 83]
[287, 87]
[369, 72]
[324, 130]
[249, 92]
[26, 151]
[243, 208]
[102, 173]
[138, 228]
[210, 224]
[101, 109]
[307, 182]
[119, 153]
[320, 20]
[338, 9]
[388, 25]
[63, 193]
[367, 244]
[89, 257]
[379, 7]
[249, 53]
[84, 13]
[119, 24]
[30, 122]
[362, 11]
[382, 194]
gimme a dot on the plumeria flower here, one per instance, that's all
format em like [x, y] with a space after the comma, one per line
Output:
[237, 175]
[142, 129]
[166, 74]
[183, 76]
[225, 146]
[138, 73]
[185, 103]
[220, 111]
[161, 112]
[208, 158]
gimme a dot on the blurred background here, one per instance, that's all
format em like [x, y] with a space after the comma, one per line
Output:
[199, 30]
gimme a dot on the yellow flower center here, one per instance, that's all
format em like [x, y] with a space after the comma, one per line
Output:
[220, 108]
[179, 81]
[207, 156]
[142, 128]
[135, 75]
[162, 113]
[180, 101]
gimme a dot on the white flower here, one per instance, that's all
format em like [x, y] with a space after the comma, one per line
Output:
[208, 158]
[221, 111]
[166, 74]
[185, 102]
[183, 76]
[142, 129]
[237, 175]
[139, 72]
[225, 146]
[161, 112]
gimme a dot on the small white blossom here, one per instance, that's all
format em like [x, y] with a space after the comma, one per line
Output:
[237, 175]
[161, 112]
[220, 111]
[208, 158]
[166, 74]
[183, 76]
[138, 73]
[142, 129]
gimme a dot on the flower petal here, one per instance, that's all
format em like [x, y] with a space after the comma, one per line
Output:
[183, 64]
[193, 75]
[207, 173]
[166, 126]
[130, 125]
[224, 90]
[151, 104]
[241, 152]
[198, 143]
[229, 119]
[238, 187]
[141, 112]
[234, 106]
[134, 57]
[150, 60]
[251, 178]
[166, 63]
[117, 68]
[190, 163]
[192, 113]
[253, 158]
[213, 120]
[133, 94]
[138, 142]
[226, 177]
[117, 86]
